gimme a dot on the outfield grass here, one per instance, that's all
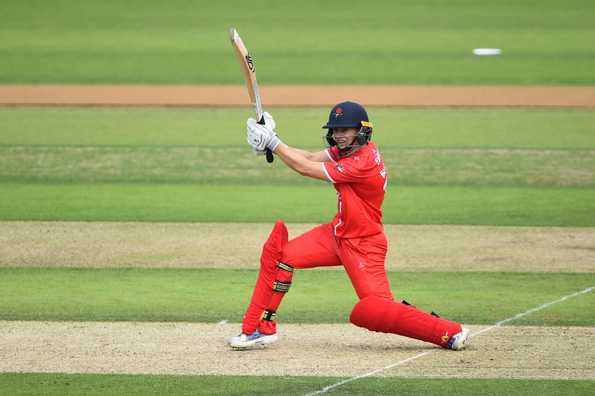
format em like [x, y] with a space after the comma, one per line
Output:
[511, 148]
[338, 42]
[571, 129]
[295, 204]
[500, 167]
[21, 384]
[212, 295]
[238, 166]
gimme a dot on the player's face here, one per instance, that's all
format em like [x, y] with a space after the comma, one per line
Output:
[344, 136]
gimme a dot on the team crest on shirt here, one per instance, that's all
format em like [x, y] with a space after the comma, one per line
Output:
[340, 168]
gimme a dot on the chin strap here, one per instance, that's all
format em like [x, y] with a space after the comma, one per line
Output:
[348, 150]
[362, 138]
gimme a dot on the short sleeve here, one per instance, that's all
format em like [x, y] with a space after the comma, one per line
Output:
[332, 153]
[348, 171]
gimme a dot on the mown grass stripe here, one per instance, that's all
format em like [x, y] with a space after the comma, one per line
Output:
[296, 204]
[300, 127]
[21, 384]
[204, 295]
[204, 165]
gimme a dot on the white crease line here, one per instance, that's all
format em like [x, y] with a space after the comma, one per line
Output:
[498, 324]
[328, 388]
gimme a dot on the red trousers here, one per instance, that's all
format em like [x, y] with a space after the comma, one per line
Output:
[363, 260]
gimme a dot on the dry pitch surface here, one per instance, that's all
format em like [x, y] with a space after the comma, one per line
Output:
[203, 245]
[328, 350]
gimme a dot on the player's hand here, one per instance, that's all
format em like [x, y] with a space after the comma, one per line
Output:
[260, 137]
[269, 122]
[257, 135]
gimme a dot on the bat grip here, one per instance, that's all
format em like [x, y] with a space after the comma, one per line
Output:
[268, 152]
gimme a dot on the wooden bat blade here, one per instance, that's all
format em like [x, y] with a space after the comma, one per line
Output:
[248, 68]
[247, 65]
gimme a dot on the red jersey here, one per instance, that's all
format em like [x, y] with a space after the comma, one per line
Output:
[360, 180]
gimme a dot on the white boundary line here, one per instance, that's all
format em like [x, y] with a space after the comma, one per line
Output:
[497, 324]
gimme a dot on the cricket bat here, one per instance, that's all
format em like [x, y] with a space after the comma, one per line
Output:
[247, 64]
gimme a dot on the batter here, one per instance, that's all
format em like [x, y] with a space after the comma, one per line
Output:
[354, 239]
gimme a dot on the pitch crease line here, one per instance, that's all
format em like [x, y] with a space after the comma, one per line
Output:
[497, 324]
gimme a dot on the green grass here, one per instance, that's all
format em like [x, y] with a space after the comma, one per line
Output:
[238, 166]
[562, 129]
[212, 295]
[446, 166]
[507, 148]
[338, 42]
[294, 204]
[21, 384]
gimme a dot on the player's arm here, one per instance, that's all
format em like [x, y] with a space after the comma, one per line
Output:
[308, 165]
[303, 162]
[319, 156]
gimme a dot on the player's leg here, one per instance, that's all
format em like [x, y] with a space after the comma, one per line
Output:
[278, 260]
[315, 248]
[269, 258]
[388, 316]
[363, 259]
[377, 311]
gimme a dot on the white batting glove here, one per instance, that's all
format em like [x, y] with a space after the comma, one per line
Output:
[273, 142]
[257, 135]
[260, 137]
[269, 122]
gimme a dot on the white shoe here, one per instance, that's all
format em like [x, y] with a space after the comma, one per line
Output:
[254, 340]
[457, 341]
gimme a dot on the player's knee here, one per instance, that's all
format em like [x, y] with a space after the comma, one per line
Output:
[371, 313]
[272, 249]
[283, 279]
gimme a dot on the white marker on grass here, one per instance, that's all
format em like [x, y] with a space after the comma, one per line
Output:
[487, 51]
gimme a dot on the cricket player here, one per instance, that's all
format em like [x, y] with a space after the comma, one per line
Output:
[354, 239]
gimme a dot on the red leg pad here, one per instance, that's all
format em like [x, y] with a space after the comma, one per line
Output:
[271, 254]
[388, 316]
[283, 275]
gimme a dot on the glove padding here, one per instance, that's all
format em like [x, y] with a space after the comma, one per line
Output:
[260, 137]
[270, 123]
[257, 135]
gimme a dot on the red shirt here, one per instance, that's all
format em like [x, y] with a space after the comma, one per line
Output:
[360, 180]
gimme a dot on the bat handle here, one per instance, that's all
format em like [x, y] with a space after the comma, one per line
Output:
[268, 152]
